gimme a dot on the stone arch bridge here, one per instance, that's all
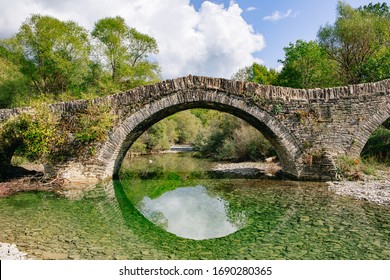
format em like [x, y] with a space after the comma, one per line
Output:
[309, 129]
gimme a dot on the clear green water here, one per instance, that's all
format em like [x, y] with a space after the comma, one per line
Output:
[274, 219]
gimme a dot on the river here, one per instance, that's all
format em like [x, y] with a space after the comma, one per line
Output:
[170, 207]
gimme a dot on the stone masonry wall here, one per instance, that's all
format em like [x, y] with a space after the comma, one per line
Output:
[310, 128]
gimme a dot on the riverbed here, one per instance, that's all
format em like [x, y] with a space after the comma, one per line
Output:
[258, 218]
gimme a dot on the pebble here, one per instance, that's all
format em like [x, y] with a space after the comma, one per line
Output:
[248, 168]
[11, 252]
[376, 191]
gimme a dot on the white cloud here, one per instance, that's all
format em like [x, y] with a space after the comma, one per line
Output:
[250, 9]
[279, 68]
[277, 15]
[213, 41]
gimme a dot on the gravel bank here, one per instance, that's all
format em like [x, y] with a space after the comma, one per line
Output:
[375, 191]
[248, 169]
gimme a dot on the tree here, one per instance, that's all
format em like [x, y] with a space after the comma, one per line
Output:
[54, 54]
[378, 9]
[256, 73]
[125, 51]
[260, 74]
[187, 127]
[359, 42]
[14, 86]
[306, 66]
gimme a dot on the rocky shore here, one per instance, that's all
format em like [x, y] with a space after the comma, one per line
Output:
[11, 252]
[248, 169]
[27, 184]
[377, 191]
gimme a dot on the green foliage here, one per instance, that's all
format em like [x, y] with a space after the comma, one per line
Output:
[379, 9]
[246, 143]
[187, 127]
[93, 124]
[31, 136]
[256, 73]
[55, 54]
[349, 168]
[229, 138]
[354, 49]
[214, 134]
[46, 137]
[306, 66]
[156, 137]
[353, 168]
[125, 51]
[180, 128]
[13, 84]
[260, 74]
[378, 146]
[50, 60]
[358, 43]
[277, 109]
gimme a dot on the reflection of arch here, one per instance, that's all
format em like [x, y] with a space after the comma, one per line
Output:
[123, 136]
[367, 128]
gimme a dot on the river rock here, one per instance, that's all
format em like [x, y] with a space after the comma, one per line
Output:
[11, 252]
[270, 159]
[377, 191]
[54, 256]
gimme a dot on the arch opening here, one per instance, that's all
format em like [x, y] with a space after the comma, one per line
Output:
[211, 134]
[377, 146]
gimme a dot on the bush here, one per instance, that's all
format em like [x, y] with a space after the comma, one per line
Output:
[93, 124]
[378, 146]
[31, 136]
[354, 168]
[47, 137]
[233, 139]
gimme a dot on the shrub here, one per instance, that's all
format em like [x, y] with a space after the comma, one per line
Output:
[31, 136]
[378, 146]
[47, 137]
[93, 123]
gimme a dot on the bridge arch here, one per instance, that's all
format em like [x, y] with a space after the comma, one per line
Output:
[131, 127]
[367, 128]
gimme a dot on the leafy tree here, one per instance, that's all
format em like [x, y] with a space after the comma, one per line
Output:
[256, 73]
[14, 86]
[242, 74]
[187, 126]
[260, 74]
[377, 9]
[306, 66]
[155, 138]
[54, 54]
[378, 146]
[125, 51]
[226, 137]
[359, 42]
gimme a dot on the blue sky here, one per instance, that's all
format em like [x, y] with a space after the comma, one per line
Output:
[303, 22]
[210, 38]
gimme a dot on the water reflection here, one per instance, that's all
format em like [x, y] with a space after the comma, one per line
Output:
[191, 212]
